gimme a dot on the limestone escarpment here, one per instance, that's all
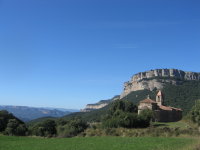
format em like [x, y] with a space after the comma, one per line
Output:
[100, 104]
[90, 107]
[156, 79]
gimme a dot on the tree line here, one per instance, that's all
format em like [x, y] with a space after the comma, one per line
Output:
[121, 114]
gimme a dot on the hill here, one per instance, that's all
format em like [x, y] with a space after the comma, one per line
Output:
[182, 96]
[181, 89]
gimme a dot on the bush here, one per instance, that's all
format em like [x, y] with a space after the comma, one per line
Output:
[123, 114]
[145, 117]
[10, 125]
[194, 114]
[14, 127]
[71, 128]
[123, 105]
[46, 129]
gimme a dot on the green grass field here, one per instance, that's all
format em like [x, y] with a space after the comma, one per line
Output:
[180, 124]
[96, 143]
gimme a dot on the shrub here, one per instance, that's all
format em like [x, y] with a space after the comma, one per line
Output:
[123, 114]
[46, 128]
[10, 125]
[14, 127]
[72, 128]
[194, 114]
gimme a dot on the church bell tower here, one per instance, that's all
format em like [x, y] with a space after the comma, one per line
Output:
[159, 98]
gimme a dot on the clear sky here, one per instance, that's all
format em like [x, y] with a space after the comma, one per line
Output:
[68, 53]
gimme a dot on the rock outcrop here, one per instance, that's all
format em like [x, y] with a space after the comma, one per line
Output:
[100, 104]
[156, 79]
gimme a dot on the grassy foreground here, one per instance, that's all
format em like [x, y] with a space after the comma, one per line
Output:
[95, 143]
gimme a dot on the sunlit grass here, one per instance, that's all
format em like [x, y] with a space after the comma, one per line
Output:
[95, 143]
[180, 124]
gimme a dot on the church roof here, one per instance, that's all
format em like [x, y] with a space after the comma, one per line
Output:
[147, 101]
[176, 108]
[165, 107]
[169, 108]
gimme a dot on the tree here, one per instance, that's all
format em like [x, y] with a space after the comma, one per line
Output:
[14, 127]
[4, 117]
[122, 105]
[46, 128]
[195, 113]
[124, 114]
[11, 125]
[145, 118]
[71, 127]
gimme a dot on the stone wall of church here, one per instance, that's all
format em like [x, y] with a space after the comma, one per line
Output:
[167, 116]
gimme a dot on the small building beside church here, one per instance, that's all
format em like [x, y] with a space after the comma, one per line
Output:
[161, 113]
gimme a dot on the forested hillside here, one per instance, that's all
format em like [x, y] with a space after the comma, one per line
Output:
[182, 96]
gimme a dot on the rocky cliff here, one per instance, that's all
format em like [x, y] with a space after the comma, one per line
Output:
[156, 79]
[100, 104]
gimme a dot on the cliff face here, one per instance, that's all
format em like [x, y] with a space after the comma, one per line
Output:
[149, 79]
[90, 107]
[100, 104]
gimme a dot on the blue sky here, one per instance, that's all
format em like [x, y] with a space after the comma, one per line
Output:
[67, 53]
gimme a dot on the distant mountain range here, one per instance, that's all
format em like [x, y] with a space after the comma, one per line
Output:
[26, 113]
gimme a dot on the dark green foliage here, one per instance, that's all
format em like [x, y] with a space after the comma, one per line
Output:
[123, 113]
[137, 96]
[145, 117]
[194, 115]
[70, 128]
[125, 106]
[4, 117]
[10, 125]
[58, 127]
[14, 127]
[46, 128]
[36, 121]
[183, 95]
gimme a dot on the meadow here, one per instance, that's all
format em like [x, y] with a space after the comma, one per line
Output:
[96, 143]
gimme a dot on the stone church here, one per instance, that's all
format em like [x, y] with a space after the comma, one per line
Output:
[161, 113]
